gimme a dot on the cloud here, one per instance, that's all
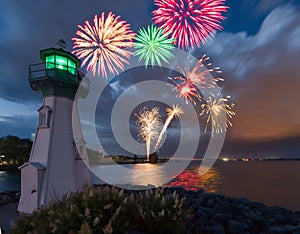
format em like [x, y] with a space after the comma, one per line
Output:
[28, 28]
[20, 125]
[11, 108]
[261, 74]
[261, 71]
[264, 6]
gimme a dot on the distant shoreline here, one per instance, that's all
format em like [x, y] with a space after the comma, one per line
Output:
[161, 160]
[9, 168]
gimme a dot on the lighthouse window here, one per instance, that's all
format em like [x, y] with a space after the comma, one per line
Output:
[44, 119]
[61, 63]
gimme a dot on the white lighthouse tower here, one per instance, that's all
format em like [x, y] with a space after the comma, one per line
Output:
[55, 167]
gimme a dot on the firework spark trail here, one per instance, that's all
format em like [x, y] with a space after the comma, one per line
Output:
[102, 45]
[175, 111]
[148, 124]
[153, 46]
[217, 110]
[190, 22]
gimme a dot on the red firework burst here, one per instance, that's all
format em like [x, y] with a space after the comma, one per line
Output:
[190, 22]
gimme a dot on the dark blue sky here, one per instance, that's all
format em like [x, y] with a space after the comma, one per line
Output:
[258, 51]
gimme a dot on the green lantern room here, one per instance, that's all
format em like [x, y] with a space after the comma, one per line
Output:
[57, 74]
[60, 60]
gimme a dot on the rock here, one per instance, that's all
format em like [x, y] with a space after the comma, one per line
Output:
[244, 201]
[224, 206]
[199, 192]
[200, 201]
[297, 213]
[223, 219]
[237, 227]
[7, 199]
[293, 219]
[282, 229]
[210, 203]
[2, 202]
[208, 211]
[200, 214]
[270, 222]
[259, 219]
[213, 230]
[272, 210]
[235, 210]
[280, 219]
[290, 228]
[256, 205]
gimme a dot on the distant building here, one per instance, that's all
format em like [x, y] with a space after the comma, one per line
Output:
[153, 158]
[56, 165]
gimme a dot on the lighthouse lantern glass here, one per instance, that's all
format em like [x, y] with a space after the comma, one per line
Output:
[60, 62]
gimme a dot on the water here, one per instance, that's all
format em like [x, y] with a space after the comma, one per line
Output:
[270, 182]
[10, 180]
[274, 183]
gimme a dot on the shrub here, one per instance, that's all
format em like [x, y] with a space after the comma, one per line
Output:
[108, 210]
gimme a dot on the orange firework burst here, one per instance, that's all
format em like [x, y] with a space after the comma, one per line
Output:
[102, 46]
[197, 78]
[200, 75]
[186, 90]
[219, 112]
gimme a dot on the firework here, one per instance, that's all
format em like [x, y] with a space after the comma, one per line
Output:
[148, 123]
[175, 111]
[185, 90]
[200, 74]
[219, 112]
[153, 46]
[190, 22]
[102, 45]
[197, 78]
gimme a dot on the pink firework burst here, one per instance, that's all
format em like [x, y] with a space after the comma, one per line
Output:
[190, 22]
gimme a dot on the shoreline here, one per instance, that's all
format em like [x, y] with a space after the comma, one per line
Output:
[211, 212]
[217, 213]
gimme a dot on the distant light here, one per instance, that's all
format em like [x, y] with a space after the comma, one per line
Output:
[225, 159]
[2, 156]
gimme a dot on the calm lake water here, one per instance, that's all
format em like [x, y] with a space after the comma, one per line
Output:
[271, 182]
[10, 180]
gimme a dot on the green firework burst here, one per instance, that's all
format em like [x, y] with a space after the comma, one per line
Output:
[153, 46]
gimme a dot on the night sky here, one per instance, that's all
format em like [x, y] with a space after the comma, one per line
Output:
[258, 52]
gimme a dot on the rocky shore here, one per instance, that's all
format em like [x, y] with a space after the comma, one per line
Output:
[215, 213]
[8, 209]
[7, 197]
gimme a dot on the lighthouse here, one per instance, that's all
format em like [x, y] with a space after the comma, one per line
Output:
[56, 166]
